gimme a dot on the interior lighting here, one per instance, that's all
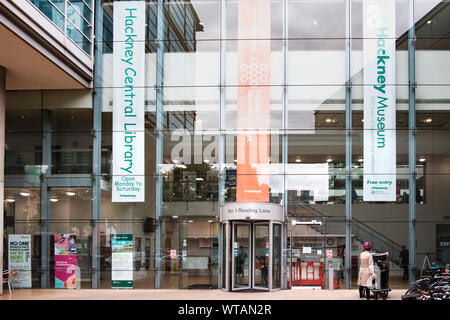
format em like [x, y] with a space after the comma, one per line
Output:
[298, 160]
[429, 22]
[328, 120]
[422, 159]
[329, 160]
[199, 179]
[206, 161]
[190, 221]
[10, 200]
[24, 194]
[175, 161]
[210, 221]
[175, 217]
[360, 160]
[429, 120]
[70, 193]
[54, 200]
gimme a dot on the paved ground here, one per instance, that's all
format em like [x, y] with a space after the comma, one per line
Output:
[121, 294]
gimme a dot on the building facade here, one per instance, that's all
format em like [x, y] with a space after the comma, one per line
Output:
[228, 144]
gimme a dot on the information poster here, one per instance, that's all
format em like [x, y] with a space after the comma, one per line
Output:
[19, 258]
[65, 260]
[253, 115]
[128, 180]
[122, 260]
[379, 100]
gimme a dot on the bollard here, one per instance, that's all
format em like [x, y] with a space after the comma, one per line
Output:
[330, 275]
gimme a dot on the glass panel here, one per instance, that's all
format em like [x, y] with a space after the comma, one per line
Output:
[71, 153]
[316, 19]
[82, 8]
[224, 255]
[193, 20]
[74, 34]
[316, 62]
[198, 245]
[51, 12]
[276, 19]
[70, 213]
[74, 16]
[261, 254]
[241, 253]
[276, 257]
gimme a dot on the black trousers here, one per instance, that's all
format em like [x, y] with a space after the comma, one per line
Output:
[362, 293]
[405, 272]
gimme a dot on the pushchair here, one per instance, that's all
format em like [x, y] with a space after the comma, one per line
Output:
[380, 288]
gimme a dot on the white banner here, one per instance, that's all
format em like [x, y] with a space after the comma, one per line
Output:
[128, 181]
[379, 100]
[19, 258]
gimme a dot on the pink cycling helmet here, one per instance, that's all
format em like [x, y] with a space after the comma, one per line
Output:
[367, 245]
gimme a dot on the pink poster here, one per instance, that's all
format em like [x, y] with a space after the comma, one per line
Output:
[65, 260]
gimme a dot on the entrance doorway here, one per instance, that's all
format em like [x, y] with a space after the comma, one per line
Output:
[253, 255]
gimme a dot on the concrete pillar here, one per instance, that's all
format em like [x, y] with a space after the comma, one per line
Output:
[2, 160]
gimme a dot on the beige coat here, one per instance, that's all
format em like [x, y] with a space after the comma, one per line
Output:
[365, 267]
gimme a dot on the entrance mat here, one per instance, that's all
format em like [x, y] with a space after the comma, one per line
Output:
[200, 286]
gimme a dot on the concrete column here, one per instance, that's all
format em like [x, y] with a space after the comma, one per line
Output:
[2, 160]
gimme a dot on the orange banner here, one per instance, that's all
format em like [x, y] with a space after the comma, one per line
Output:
[253, 114]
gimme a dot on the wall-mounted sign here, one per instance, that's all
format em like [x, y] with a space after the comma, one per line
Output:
[65, 260]
[122, 260]
[251, 211]
[379, 100]
[329, 253]
[128, 181]
[19, 258]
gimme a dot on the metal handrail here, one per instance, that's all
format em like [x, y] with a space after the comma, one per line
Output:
[386, 242]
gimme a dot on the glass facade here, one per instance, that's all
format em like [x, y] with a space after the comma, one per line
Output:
[59, 160]
[73, 17]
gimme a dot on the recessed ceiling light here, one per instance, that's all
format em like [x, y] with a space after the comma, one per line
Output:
[190, 221]
[199, 179]
[24, 194]
[362, 120]
[210, 221]
[70, 193]
[429, 22]
[10, 200]
[428, 120]
[175, 161]
[298, 160]
[360, 160]
[422, 159]
[175, 217]
[329, 160]
[206, 161]
[235, 160]
[328, 120]
[54, 200]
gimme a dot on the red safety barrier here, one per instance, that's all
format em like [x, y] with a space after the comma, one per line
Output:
[308, 273]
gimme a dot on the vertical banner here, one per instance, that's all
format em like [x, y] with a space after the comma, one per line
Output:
[65, 260]
[122, 260]
[253, 115]
[19, 258]
[379, 100]
[128, 180]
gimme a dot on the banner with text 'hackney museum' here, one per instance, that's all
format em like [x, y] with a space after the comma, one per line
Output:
[379, 100]
[253, 116]
[128, 181]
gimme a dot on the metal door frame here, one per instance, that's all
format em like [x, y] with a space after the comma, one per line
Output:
[272, 223]
[269, 264]
[250, 254]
